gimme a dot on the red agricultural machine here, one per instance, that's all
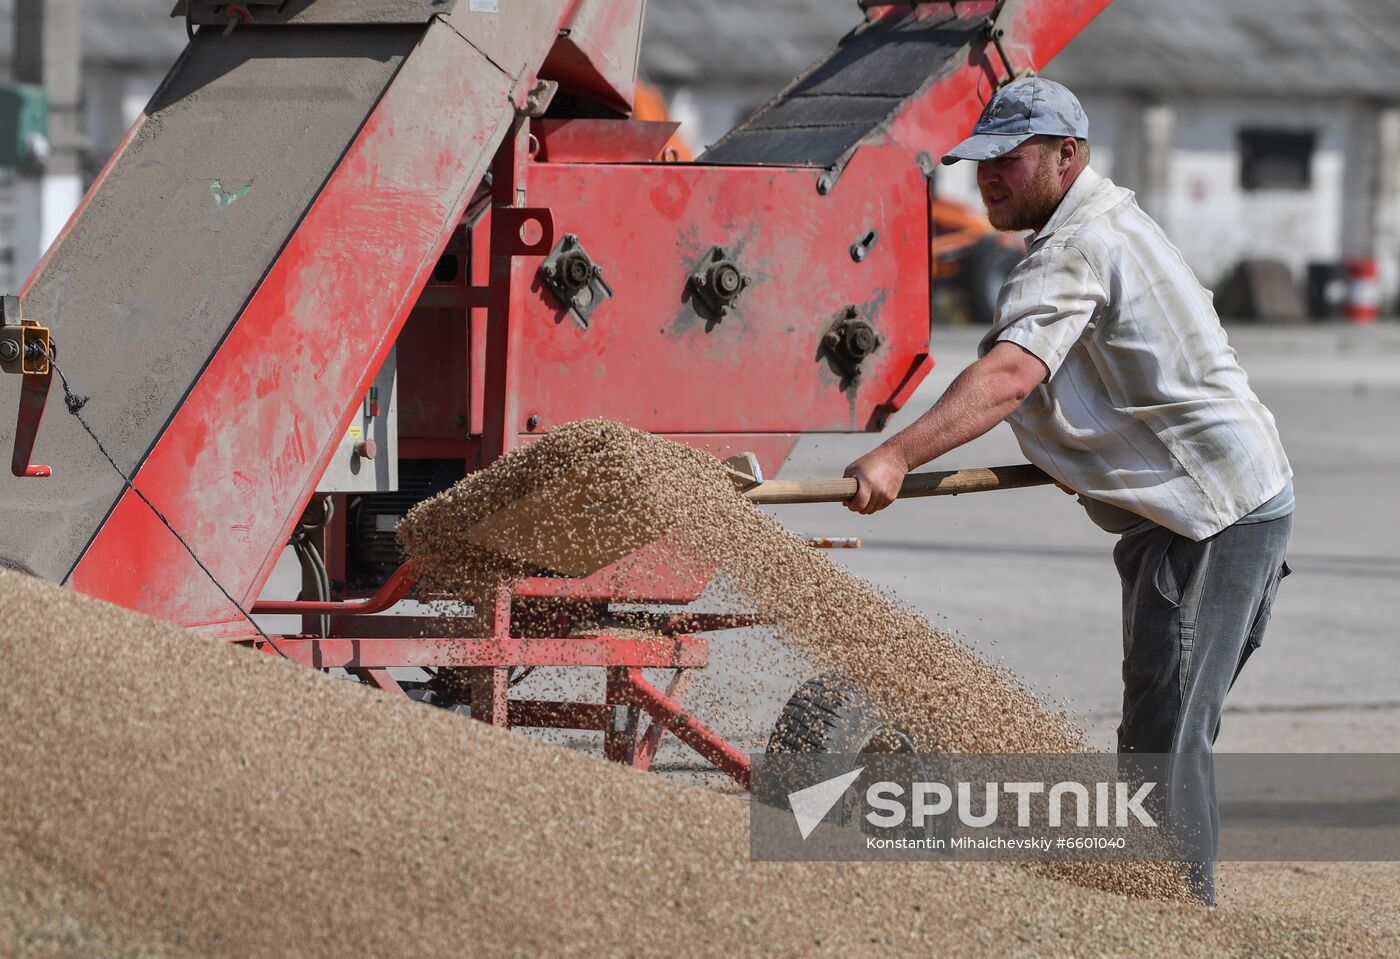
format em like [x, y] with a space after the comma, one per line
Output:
[355, 249]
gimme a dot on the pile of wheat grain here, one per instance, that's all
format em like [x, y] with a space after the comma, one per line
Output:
[167, 795]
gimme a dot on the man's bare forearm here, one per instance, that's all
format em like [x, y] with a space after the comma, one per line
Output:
[983, 395]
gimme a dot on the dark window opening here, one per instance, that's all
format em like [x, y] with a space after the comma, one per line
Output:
[1276, 159]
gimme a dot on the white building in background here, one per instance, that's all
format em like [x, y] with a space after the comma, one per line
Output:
[1251, 129]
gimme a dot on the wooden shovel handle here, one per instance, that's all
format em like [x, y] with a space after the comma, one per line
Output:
[945, 483]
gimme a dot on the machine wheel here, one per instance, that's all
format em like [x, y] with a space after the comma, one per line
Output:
[984, 270]
[829, 715]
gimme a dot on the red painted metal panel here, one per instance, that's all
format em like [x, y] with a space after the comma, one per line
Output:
[655, 359]
[243, 453]
[432, 379]
[596, 52]
[518, 37]
[432, 354]
[601, 141]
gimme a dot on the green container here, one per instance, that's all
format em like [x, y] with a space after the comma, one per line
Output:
[24, 112]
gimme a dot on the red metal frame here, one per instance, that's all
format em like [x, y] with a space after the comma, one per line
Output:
[491, 655]
[369, 644]
[650, 225]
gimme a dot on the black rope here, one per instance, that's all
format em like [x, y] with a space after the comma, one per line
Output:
[75, 404]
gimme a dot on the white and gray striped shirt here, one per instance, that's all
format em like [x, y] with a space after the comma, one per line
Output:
[1146, 408]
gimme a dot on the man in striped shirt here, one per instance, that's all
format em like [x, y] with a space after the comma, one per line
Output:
[1108, 359]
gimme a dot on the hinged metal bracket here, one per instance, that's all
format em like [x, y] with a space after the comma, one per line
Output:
[717, 281]
[575, 280]
[24, 344]
[26, 348]
[538, 99]
[846, 344]
[508, 227]
[994, 34]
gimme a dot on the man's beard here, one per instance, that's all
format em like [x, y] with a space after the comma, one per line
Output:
[1033, 209]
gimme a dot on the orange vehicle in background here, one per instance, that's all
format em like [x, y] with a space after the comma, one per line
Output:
[649, 104]
[971, 261]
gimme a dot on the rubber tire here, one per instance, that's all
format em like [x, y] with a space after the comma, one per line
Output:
[829, 715]
[984, 271]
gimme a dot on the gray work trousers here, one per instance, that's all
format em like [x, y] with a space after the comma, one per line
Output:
[1193, 613]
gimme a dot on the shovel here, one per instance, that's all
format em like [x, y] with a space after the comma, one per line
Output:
[749, 479]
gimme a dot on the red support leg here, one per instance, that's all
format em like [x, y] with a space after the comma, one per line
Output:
[675, 691]
[491, 685]
[620, 740]
[380, 679]
[685, 727]
[491, 695]
[34, 391]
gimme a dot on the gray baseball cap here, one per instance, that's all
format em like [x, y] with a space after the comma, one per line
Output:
[1019, 111]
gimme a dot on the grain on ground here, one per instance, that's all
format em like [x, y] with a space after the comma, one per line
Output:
[165, 795]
